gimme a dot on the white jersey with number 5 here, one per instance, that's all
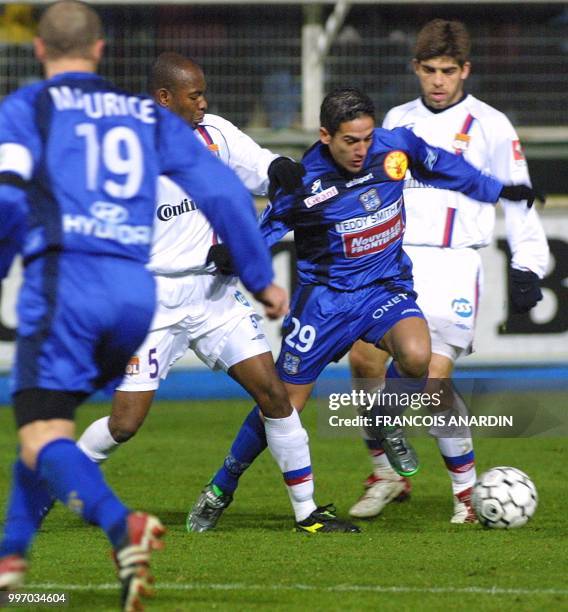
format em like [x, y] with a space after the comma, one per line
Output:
[488, 141]
[182, 234]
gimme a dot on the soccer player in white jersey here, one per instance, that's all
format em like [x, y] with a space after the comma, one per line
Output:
[444, 232]
[204, 310]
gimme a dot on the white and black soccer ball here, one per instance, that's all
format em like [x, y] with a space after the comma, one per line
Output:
[504, 497]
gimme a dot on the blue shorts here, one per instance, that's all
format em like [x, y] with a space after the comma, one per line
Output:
[80, 319]
[323, 323]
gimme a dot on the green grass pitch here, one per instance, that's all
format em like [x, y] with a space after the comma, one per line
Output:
[409, 558]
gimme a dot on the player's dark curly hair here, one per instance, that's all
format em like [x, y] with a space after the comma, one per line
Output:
[440, 37]
[344, 104]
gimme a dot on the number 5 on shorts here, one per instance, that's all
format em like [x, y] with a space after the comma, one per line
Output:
[153, 363]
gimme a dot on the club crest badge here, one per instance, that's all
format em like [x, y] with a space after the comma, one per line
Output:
[461, 143]
[370, 200]
[291, 363]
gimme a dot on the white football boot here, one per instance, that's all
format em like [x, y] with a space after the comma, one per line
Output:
[463, 509]
[380, 491]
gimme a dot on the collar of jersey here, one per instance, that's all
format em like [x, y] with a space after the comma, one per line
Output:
[437, 111]
[75, 75]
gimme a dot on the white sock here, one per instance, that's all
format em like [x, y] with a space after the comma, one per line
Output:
[381, 464]
[288, 442]
[458, 456]
[96, 441]
[382, 467]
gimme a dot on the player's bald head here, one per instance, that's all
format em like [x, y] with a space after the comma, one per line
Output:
[69, 29]
[172, 70]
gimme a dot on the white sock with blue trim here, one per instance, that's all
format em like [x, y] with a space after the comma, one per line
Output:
[288, 442]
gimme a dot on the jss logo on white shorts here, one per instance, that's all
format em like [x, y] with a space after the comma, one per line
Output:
[462, 307]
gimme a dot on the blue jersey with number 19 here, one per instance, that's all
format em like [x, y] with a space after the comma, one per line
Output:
[88, 156]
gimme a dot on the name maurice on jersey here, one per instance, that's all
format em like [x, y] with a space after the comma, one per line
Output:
[108, 104]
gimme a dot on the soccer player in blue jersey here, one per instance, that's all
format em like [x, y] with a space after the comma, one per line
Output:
[79, 162]
[355, 280]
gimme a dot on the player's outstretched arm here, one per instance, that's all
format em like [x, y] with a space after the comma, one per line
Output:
[447, 171]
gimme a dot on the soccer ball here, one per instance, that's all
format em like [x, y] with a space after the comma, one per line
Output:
[503, 498]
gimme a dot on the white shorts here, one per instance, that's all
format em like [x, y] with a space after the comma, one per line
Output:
[205, 313]
[448, 283]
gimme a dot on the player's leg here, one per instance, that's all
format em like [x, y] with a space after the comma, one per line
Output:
[133, 398]
[105, 435]
[281, 430]
[123, 325]
[45, 408]
[258, 376]
[408, 341]
[29, 496]
[448, 282]
[368, 369]
[272, 423]
[456, 450]
[323, 518]
[51, 465]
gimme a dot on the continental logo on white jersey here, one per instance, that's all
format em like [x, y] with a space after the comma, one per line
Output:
[322, 196]
[165, 212]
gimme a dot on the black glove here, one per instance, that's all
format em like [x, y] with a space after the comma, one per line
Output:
[522, 192]
[525, 290]
[286, 173]
[219, 254]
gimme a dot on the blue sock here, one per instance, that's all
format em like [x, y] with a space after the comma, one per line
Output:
[75, 480]
[26, 508]
[247, 446]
